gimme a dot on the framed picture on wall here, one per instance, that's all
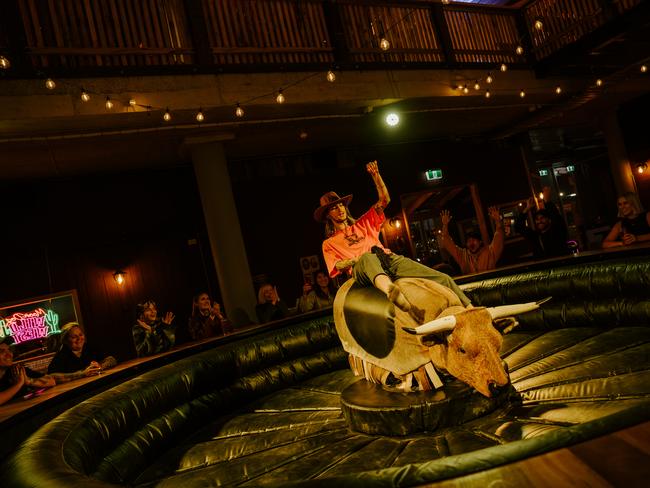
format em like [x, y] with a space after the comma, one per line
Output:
[308, 266]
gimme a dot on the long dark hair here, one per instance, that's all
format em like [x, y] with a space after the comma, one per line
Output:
[330, 230]
[330, 285]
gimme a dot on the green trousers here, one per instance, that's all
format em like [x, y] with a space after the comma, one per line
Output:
[368, 267]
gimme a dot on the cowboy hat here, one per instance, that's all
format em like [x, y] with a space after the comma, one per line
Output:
[327, 201]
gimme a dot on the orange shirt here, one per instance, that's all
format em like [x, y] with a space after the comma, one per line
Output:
[353, 241]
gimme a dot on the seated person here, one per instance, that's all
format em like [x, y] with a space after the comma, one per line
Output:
[206, 320]
[269, 306]
[16, 380]
[75, 359]
[549, 236]
[319, 296]
[475, 256]
[633, 223]
[152, 335]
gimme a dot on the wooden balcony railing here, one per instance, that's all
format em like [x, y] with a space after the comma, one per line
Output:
[140, 35]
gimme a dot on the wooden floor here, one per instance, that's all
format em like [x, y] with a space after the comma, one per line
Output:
[621, 459]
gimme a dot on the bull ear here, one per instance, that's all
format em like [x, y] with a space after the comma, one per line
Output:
[443, 324]
[519, 308]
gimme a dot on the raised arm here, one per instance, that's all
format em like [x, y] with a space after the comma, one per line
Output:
[498, 238]
[382, 191]
[447, 241]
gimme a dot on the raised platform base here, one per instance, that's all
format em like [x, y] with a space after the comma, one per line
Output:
[371, 409]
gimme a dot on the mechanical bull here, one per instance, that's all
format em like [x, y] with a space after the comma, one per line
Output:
[388, 347]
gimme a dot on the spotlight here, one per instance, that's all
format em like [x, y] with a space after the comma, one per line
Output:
[167, 116]
[489, 78]
[384, 44]
[522, 94]
[199, 116]
[503, 67]
[4, 63]
[558, 89]
[84, 95]
[519, 50]
[109, 103]
[239, 112]
[641, 168]
[49, 84]
[331, 76]
[119, 276]
[280, 97]
[392, 119]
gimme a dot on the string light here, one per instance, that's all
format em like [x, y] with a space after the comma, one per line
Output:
[132, 102]
[643, 68]
[4, 63]
[199, 116]
[539, 25]
[641, 168]
[599, 82]
[239, 112]
[487, 94]
[84, 95]
[331, 76]
[109, 103]
[49, 84]
[280, 97]
[522, 94]
[489, 78]
[167, 116]
[477, 86]
[519, 50]
[558, 89]
[503, 67]
[302, 135]
[465, 89]
[384, 44]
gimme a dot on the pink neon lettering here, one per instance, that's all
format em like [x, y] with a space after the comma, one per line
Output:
[27, 326]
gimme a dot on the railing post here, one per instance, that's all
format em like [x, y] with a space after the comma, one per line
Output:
[12, 23]
[336, 32]
[199, 32]
[441, 27]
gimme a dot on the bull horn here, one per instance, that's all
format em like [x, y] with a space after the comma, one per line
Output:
[512, 310]
[442, 324]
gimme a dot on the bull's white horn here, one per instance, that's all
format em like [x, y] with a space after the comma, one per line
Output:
[512, 310]
[442, 324]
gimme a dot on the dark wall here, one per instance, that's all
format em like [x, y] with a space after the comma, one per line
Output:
[74, 234]
[632, 118]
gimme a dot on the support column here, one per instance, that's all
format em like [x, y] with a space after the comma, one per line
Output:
[618, 159]
[224, 231]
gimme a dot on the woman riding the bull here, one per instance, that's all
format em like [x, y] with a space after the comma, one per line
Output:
[353, 246]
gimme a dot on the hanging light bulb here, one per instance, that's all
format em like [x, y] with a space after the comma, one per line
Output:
[599, 82]
[487, 94]
[4, 63]
[489, 78]
[199, 116]
[119, 276]
[239, 112]
[519, 50]
[280, 97]
[465, 89]
[109, 103]
[331, 76]
[641, 168]
[643, 68]
[84, 95]
[49, 84]
[477, 86]
[522, 94]
[384, 44]
[302, 135]
[132, 102]
[167, 116]
[503, 67]
[538, 24]
[558, 89]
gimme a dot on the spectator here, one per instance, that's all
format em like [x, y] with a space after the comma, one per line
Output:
[15, 379]
[269, 305]
[549, 236]
[206, 320]
[475, 256]
[152, 335]
[75, 359]
[633, 223]
[353, 246]
[319, 296]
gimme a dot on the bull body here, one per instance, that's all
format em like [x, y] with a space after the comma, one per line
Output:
[398, 353]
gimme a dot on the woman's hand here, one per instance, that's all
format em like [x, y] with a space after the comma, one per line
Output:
[18, 375]
[306, 288]
[628, 239]
[168, 318]
[216, 311]
[94, 368]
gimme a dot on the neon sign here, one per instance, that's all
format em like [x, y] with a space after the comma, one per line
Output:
[27, 326]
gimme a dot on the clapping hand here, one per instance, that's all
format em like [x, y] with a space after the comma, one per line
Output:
[167, 319]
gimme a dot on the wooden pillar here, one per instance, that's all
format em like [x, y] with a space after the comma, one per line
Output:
[619, 161]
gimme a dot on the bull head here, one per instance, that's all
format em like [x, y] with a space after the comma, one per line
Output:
[467, 345]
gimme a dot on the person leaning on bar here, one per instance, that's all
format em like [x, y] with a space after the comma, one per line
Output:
[15, 379]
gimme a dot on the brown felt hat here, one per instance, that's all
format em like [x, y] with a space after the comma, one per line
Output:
[327, 201]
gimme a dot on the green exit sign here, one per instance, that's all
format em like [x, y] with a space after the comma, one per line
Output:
[543, 172]
[433, 174]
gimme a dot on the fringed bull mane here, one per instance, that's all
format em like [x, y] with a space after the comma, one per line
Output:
[424, 378]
